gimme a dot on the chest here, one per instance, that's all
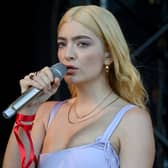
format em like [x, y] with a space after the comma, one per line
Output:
[61, 135]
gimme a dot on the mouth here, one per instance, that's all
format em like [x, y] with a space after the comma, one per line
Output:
[71, 70]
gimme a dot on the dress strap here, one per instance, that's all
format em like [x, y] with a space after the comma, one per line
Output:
[118, 117]
[54, 110]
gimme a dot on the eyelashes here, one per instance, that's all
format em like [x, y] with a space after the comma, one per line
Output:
[79, 44]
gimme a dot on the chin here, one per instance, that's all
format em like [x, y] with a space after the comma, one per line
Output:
[73, 80]
[70, 80]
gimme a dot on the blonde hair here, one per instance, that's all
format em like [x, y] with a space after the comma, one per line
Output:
[123, 77]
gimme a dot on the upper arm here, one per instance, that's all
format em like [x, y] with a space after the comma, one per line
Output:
[39, 125]
[137, 146]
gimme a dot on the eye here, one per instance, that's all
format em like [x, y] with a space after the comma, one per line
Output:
[83, 44]
[61, 44]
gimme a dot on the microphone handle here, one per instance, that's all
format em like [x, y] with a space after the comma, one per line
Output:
[26, 97]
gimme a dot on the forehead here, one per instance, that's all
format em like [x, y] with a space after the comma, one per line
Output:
[73, 28]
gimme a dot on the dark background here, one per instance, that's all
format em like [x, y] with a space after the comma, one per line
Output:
[28, 43]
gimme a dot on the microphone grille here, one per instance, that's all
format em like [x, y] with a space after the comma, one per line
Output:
[59, 70]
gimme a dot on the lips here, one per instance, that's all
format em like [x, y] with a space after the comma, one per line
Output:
[71, 69]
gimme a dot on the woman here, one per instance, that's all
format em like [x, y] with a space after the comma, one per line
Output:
[105, 123]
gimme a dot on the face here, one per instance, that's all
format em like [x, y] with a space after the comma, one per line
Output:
[82, 52]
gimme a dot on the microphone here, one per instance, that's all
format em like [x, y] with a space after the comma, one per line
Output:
[58, 70]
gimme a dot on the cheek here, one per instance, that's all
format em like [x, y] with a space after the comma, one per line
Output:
[94, 62]
[59, 56]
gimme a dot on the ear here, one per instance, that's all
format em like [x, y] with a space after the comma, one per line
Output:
[107, 58]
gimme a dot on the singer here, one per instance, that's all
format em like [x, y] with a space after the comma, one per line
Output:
[105, 124]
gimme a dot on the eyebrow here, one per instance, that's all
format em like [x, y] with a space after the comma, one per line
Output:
[75, 38]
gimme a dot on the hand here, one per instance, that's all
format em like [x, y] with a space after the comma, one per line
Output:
[43, 80]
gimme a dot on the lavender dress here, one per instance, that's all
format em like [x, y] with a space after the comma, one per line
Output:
[99, 154]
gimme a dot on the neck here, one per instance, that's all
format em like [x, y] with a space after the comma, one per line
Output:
[84, 110]
[90, 98]
[92, 90]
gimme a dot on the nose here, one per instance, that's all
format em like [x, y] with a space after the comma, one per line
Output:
[69, 53]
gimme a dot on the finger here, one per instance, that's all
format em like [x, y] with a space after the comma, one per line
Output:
[56, 82]
[46, 76]
[27, 83]
[43, 80]
[49, 73]
[31, 75]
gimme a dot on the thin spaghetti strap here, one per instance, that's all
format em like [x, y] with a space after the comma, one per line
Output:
[54, 110]
[111, 128]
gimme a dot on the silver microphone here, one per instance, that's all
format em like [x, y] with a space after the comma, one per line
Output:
[58, 70]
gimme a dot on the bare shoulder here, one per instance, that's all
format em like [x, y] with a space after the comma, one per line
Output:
[137, 118]
[137, 138]
[43, 111]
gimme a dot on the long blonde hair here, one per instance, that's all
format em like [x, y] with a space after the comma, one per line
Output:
[123, 77]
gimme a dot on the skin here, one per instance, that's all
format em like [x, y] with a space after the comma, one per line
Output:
[133, 139]
[82, 50]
